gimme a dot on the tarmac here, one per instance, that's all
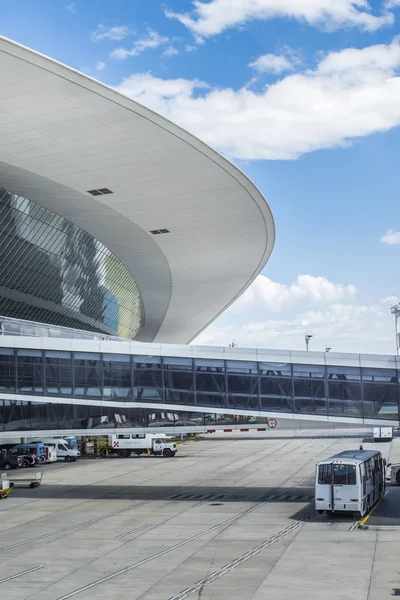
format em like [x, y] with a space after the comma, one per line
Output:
[230, 517]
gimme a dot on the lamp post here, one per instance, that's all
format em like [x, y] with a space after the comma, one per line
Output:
[395, 310]
[307, 339]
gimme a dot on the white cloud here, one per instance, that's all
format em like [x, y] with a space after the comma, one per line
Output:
[391, 4]
[349, 94]
[101, 66]
[118, 32]
[392, 238]
[212, 17]
[327, 310]
[151, 41]
[71, 7]
[271, 63]
[170, 51]
[267, 295]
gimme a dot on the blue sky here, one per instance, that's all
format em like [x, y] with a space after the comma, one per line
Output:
[303, 97]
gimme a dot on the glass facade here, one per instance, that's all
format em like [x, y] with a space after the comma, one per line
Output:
[354, 392]
[53, 272]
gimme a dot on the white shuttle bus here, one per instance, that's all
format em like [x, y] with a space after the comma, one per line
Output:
[353, 480]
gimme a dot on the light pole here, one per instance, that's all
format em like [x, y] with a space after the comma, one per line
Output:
[395, 310]
[307, 339]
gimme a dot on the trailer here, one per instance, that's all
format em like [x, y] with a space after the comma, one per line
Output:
[383, 434]
[126, 444]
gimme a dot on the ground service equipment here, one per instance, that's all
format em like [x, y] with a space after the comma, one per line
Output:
[126, 444]
[353, 480]
[383, 434]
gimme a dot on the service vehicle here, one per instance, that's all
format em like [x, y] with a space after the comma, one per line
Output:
[383, 434]
[352, 480]
[9, 461]
[36, 449]
[61, 449]
[394, 473]
[125, 444]
[72, 444]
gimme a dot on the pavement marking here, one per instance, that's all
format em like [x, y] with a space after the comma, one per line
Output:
[21, 574]
[133, 531]
[71, 527]
[178, 545]
[365, 519]
[240, 560]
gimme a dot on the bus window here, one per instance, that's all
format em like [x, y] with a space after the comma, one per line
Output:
[324, 474]
[344, 475]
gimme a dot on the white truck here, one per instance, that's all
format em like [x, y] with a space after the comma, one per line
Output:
[125, 444]
[383, 434]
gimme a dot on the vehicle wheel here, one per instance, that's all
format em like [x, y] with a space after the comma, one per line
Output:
[67, 458]
[122, 453]
[320, 512]
[167, 452]
[398, 477]
[42, 460]
[7, 466]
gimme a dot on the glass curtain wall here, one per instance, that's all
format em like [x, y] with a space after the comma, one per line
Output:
[210, 383]
[53, 272]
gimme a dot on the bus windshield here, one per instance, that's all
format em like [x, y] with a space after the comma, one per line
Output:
[342, 474]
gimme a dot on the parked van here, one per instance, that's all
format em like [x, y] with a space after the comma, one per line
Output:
[72, 444]
[63, 452]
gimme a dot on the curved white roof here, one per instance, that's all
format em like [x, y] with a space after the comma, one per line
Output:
[63, 133]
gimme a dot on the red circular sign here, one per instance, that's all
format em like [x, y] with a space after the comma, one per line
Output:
[272, 423]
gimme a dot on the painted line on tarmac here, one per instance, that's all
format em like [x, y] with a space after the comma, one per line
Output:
[122, 535]
[365, 519]
[178, 545]
[71, 527]
[241, 559]
[21, 574]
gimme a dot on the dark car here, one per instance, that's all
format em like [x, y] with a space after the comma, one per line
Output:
[26, 459]
[8, 461]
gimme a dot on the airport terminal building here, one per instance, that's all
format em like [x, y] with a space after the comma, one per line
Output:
[122, 237]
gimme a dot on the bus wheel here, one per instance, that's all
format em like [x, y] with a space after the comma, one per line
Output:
[398, 477]
[121, 453]
[320, 512]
